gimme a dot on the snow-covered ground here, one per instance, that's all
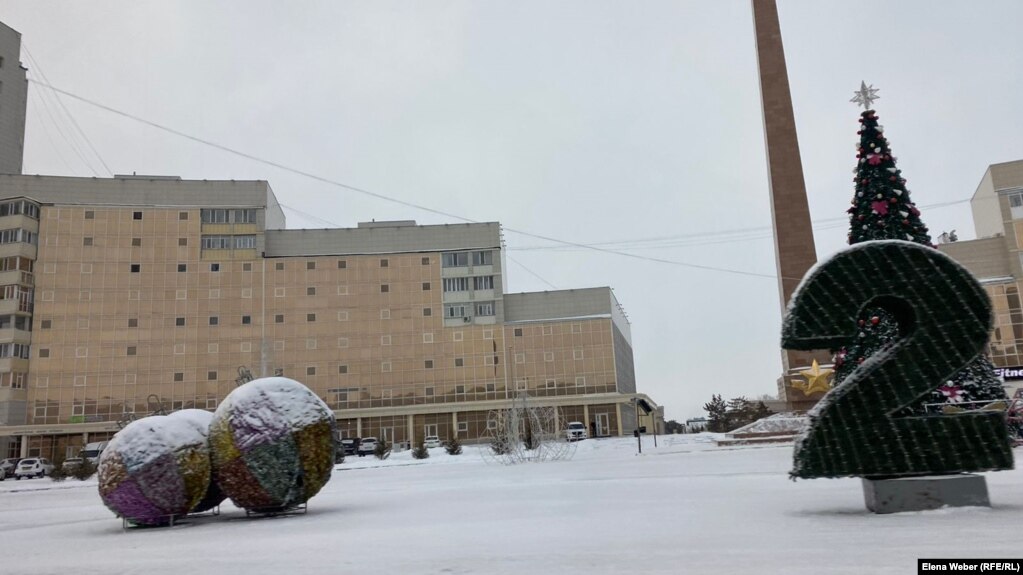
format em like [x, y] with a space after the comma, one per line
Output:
[686, 506]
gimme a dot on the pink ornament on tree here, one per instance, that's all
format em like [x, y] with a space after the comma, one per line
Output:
[880, 206]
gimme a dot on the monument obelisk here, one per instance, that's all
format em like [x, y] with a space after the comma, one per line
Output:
[794, 248]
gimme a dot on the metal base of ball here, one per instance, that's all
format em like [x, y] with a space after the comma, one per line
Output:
[925, 492]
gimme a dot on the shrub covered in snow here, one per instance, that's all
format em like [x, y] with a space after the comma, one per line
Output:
[273, 443]
[420, 451]
[153, 469]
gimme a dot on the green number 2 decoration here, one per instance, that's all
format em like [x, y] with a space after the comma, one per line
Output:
[944, 320]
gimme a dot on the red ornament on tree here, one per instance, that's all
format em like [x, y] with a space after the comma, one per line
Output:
[875, 320]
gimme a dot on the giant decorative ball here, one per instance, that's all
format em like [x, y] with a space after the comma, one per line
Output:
[154, 469]
[201, 419]
[273, 444]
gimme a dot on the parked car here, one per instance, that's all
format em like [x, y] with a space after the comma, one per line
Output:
[576, 431]
[33, 467]
[7, 467]
[366, 446]
[432, 441]
[70, 463]
[92, 451]
[350, 445]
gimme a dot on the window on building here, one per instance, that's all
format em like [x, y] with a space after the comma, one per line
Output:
[132, 350]
[485, 308]
[310, 291]
[428, 364]
[87, 241]
[426, 286]
[484, 258]
[214, 320]
[279, 266]
[46, 324]
[279, 318]
[459, 390]
[244, 216]
[310, 317]
[426, 261]
[136, 215]
[459, 362]
[342, 369]
[342, 264]
[455, 259]
[182, 216]
[483, 282]
[179, 376]
[182, 268]
[455, 311]
[384, 288]
[90, 215]
[428, 391]
[136, 242]
[244, 242]
[463, 427]
[310, 370]
[213, 216]
[136, 268]
[211, 375]
[214, 267]
[133, 322]
[310, 265]
[246, 319]
[179, 321]
[182, 242]
[427, 311]
[456, 284]
[43, 351]
[216, 242]
[384, 263]
[518, 332]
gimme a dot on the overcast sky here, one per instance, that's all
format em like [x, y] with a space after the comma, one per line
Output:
[589, 121]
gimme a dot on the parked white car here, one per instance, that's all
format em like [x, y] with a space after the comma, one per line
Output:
[33, 467]
[576, 431]
[367, 446]
[431, 441]
[71, 462]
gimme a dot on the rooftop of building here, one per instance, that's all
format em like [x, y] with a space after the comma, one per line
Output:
[566, 305]
[403, 236]
[133, 190]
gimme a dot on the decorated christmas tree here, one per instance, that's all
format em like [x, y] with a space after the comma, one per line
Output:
[883, 210]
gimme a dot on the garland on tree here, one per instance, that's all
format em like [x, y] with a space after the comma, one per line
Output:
[882, 210]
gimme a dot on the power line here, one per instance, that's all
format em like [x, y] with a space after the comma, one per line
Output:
[363, 191]
[531, 272]
[88, 142]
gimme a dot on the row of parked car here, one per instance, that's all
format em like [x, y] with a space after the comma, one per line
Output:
[29, 467]
[363, 446]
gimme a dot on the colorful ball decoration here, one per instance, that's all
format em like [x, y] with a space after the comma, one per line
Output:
[201, 419]
[154, 469]
[273, 443]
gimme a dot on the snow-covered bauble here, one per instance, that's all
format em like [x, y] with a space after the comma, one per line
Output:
[154, 469]
[273, 443]
[201, 420]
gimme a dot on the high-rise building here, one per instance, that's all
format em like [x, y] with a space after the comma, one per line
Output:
[13, 100]
[996, 259]
[125, 296]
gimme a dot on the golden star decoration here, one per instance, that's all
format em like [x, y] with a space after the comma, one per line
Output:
[816, 380]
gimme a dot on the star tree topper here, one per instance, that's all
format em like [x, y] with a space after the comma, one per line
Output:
[816, 379]
[865, 96]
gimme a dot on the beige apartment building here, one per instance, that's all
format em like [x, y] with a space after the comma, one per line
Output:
[996, 259]
[129, 295]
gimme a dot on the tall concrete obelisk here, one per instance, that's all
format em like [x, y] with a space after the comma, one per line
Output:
[794, 248]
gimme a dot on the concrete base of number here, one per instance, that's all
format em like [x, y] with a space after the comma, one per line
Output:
[927, 492]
